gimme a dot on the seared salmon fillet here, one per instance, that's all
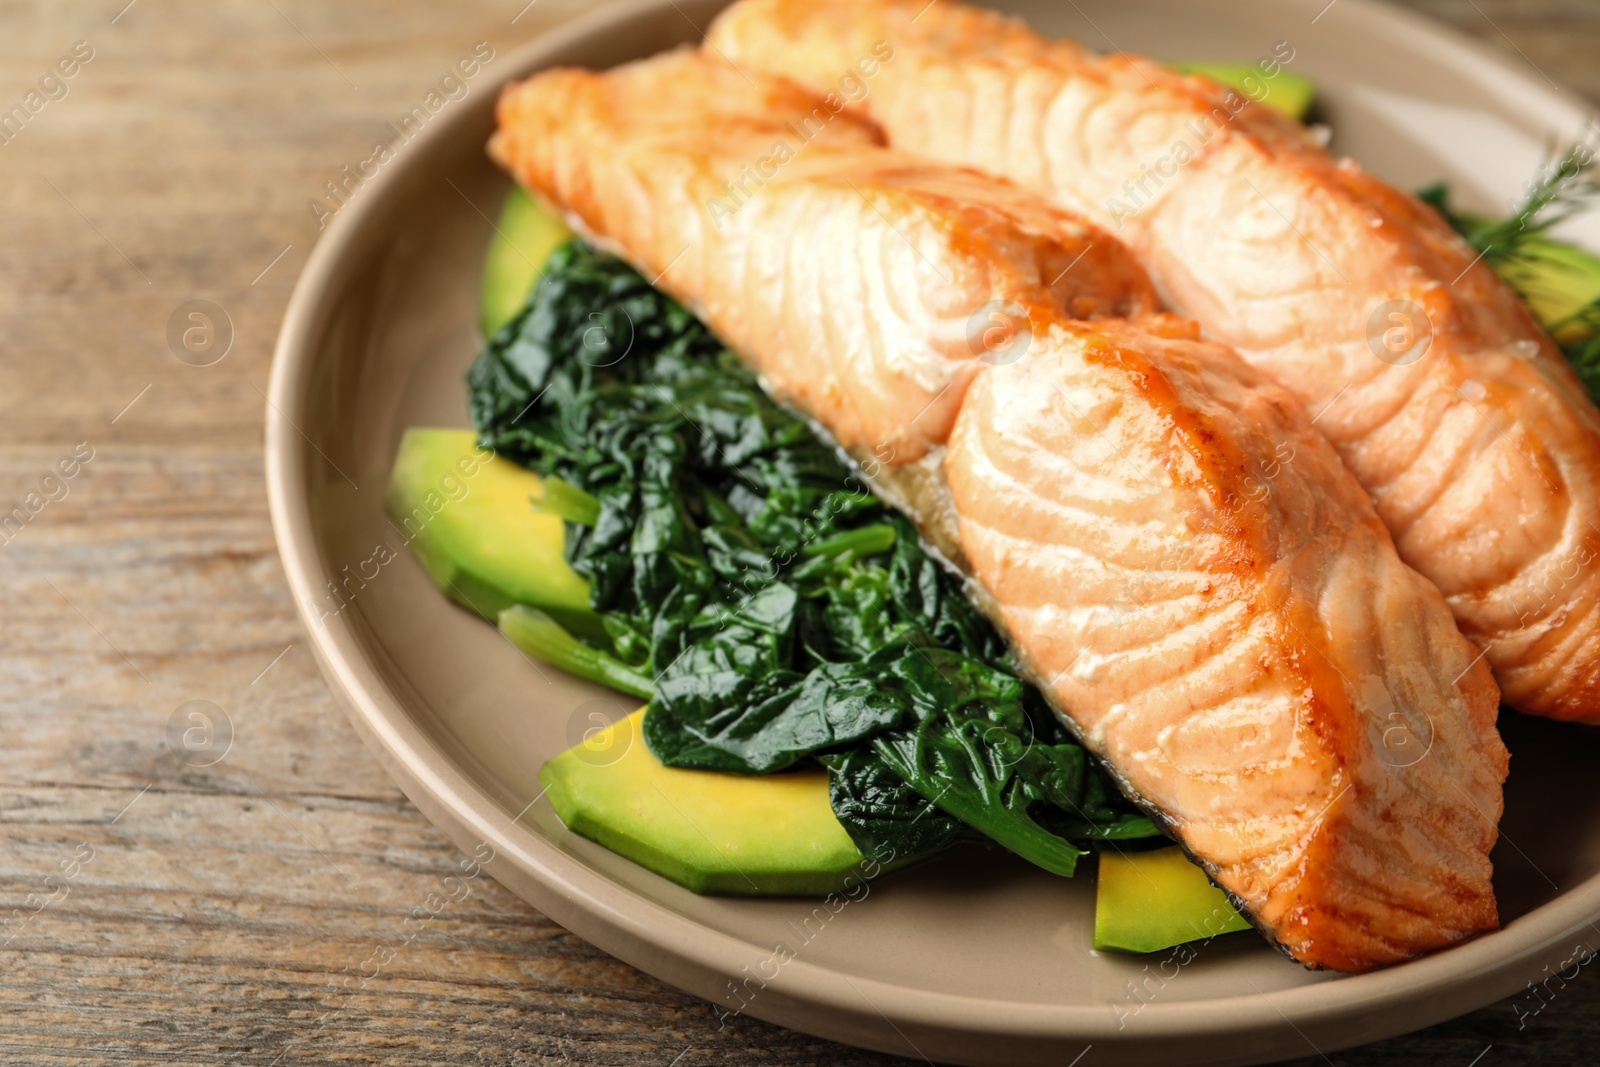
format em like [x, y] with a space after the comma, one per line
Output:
[679, 217]
[1177, 556]
[1452, 408]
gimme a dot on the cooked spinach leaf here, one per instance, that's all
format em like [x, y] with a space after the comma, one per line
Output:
[882, 812]
[779, 611]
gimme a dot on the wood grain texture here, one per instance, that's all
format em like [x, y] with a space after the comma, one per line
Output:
[249, 912]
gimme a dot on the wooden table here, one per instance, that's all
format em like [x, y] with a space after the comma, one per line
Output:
[231, 912]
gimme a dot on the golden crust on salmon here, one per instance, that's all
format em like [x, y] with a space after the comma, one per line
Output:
[1176, 554]
[1452, 408]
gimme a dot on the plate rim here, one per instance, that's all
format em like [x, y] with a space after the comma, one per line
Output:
[675, 948]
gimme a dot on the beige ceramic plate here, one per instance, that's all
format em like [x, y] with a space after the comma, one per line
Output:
[973, 959]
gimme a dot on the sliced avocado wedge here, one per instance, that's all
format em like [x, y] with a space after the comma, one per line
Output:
[1148, 901]
[1557, 281]
[1289, 93]
[523, 239]
[469, 516]
[724, 834]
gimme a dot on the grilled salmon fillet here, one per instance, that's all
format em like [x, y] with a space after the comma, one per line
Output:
[1450, 405]
[1177, 556]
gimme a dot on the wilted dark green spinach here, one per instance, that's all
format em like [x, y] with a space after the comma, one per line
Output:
[780, 611]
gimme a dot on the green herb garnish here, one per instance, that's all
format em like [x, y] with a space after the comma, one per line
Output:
[1559, 282]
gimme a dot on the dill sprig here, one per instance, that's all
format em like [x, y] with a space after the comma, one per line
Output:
[1563, 189]
[1558, 280]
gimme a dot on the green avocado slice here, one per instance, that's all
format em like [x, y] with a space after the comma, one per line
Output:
[470, 518]
[723, 834]
[1557, 281]
[1289, 93]
[524, 237]
[1148, 901]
